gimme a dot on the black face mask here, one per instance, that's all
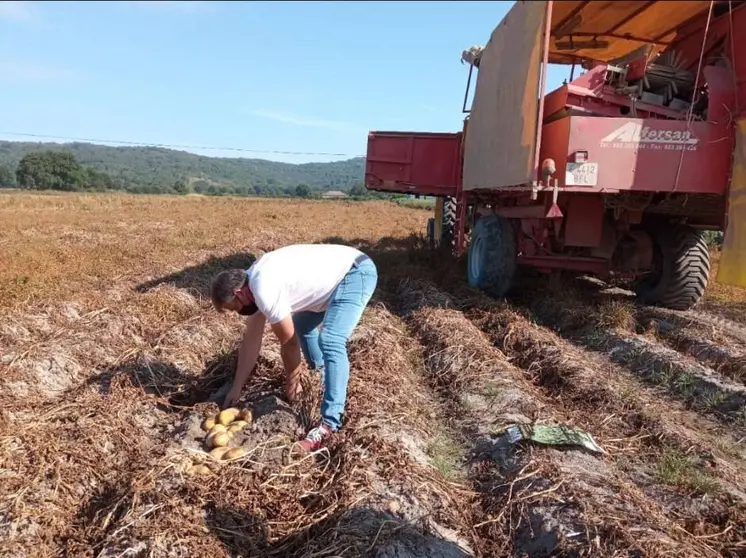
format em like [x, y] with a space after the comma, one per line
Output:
[248, 309]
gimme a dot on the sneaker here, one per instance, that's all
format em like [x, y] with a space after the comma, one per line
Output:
[314, 440]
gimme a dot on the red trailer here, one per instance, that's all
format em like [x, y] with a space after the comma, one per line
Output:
[618, 172]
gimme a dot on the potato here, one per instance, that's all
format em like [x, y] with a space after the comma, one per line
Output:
[219, 440]
[234, 454]
[236, 426]
[201, 470]
[393, 506]
[246, 415]
[217, 428]
[208, 423]
[219, 452]
[227, 416]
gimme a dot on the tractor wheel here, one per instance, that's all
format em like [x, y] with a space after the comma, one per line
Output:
[448, 224]
[681, 268]
[492, 258]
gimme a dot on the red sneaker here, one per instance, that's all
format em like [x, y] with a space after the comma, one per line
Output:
[314, 440]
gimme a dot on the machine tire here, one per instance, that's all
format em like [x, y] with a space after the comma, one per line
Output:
[493, 256]
[448, 223]
[683, 268]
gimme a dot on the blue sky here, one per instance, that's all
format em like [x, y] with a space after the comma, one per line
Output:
[266, 76]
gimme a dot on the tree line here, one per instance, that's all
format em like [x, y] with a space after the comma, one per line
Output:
[155, 169]
[60, 170]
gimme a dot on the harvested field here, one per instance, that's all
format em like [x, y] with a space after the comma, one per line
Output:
[554, 386]
[109, 352]
[610, 326]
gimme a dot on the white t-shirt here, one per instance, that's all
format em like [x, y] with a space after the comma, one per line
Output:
[298, 278]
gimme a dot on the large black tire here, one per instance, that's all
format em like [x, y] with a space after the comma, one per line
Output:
[493, 256]
[682, 268]
[448, 224]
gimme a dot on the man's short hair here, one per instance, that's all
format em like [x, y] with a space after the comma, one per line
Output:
[225, 283]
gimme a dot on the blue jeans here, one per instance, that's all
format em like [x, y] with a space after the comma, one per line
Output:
[326, 351]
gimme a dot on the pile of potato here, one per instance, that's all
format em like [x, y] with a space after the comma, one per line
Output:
[221, 429]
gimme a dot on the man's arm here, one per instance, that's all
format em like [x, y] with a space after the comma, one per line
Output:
[248, 352]
[290, 353]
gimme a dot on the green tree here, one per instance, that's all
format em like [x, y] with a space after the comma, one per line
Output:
[181, 186]
[359, 191]
[201, 186]
[7, 177]
[98, 181]
[51, 170]
[302, 190]
[140, 169]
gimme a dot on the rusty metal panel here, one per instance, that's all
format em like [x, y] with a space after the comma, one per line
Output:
[413, 162]
[732, 270]
[500, 141]
[642, 154]
[584, 222]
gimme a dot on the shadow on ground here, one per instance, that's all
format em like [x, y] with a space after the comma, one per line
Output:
[358, 531]
[734, 311]
[245, 533]
[177, 390]
[396, 258]
[197, 278]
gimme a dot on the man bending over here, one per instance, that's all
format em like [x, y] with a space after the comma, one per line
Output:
[297, 289]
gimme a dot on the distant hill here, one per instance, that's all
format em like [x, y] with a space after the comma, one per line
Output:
[139, 169]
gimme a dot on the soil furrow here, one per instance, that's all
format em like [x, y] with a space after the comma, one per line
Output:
[699, 387]
[607, 386]
[728, 361]
[489, 394]
[588, 378]
[729, 327]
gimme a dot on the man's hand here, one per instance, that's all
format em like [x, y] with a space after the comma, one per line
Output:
[231, 397]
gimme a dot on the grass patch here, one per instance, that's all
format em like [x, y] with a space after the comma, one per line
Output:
[677, 469]
[615, 314]
[447, 455]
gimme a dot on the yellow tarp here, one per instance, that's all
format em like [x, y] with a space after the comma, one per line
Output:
[732, 270]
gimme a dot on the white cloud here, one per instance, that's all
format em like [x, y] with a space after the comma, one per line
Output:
[295, 120]
[11, 10]
[29, 72]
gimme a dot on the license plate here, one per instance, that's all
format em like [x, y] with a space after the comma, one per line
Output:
[581, 174]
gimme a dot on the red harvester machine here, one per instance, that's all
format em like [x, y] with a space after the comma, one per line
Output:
[618, 172]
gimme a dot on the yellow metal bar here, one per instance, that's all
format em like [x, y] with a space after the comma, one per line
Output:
[732, 269]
